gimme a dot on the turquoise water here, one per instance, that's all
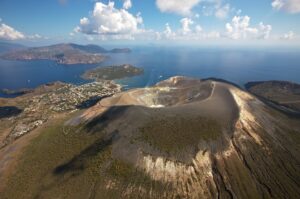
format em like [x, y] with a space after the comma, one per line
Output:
[235, 65]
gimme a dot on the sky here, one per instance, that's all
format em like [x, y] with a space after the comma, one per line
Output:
[197, 22]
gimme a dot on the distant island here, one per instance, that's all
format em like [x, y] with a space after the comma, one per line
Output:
[282, 94]
[64, 53]
[112, 72]
[6, 47]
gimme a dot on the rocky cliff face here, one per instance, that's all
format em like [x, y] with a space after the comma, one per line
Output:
[246, 150]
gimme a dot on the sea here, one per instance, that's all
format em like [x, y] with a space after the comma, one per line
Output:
[237, 65]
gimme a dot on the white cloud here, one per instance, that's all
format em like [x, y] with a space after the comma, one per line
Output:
[35, 36]
[216, 8]
[187, 32]
[264, 30]
[288, 36]
[109, 23]
[277, 4]
[127, 4]
[106, 19]
[212, 35]
[185, 25]
[198, 29]
[9, 33]
[84, 21]
[239, 28]
[291, 6]
[168, 33]
[182, 7]
[222, 12]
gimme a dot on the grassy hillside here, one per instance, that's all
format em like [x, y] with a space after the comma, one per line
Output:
[69, 163]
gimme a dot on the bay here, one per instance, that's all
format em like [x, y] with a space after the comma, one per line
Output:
[237, 65]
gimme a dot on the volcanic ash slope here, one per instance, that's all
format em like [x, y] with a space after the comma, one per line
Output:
[190, 138]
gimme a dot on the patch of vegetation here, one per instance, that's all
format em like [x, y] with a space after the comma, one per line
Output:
[173, 134]
[127, 173]
[71, 162]
[35, 176]
[120, 169]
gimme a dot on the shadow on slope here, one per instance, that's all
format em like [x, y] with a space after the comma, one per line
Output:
[90, 102]
[9, 111]
[77, 163]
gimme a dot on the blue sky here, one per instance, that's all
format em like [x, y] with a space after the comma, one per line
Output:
[161, 21]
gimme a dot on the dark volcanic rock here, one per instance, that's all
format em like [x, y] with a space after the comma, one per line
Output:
[282, 94]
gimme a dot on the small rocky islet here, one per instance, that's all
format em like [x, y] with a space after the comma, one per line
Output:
[112, 72]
